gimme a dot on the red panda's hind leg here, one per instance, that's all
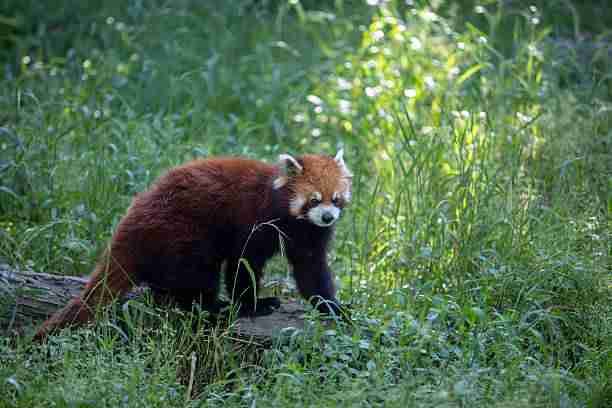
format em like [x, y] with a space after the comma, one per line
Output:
[186, 280]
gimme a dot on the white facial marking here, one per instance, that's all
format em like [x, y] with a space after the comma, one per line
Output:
[345, 194]
[317, 214]
[316, 196]
[296, 204]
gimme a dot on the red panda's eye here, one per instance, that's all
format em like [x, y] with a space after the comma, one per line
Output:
[314, 201]
[335, 201]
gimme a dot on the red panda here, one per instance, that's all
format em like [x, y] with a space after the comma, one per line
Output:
[177, 236]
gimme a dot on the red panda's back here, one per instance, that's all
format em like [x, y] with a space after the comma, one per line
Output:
[212, 191]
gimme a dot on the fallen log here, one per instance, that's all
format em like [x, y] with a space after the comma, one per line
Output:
[30, 297]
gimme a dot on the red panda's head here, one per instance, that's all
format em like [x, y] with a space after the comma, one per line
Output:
[319, 186]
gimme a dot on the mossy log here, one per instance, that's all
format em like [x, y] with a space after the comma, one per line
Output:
[30, 297]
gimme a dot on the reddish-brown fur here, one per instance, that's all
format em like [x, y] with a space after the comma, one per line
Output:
[324, 176]
[176, 236]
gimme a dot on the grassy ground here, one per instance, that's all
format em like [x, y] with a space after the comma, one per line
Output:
[476, 252]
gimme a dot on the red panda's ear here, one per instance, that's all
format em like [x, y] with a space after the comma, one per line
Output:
[339, 158]
[289, 167]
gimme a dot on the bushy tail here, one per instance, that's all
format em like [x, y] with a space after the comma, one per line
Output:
[108, 282]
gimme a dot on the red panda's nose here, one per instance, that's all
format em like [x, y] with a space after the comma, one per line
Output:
[327, 217]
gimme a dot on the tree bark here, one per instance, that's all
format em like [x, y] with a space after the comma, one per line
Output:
[29, 297]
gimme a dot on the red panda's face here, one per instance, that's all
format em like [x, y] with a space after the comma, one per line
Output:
[320, 187]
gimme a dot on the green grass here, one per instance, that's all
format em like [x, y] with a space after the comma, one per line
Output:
[476, 253]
